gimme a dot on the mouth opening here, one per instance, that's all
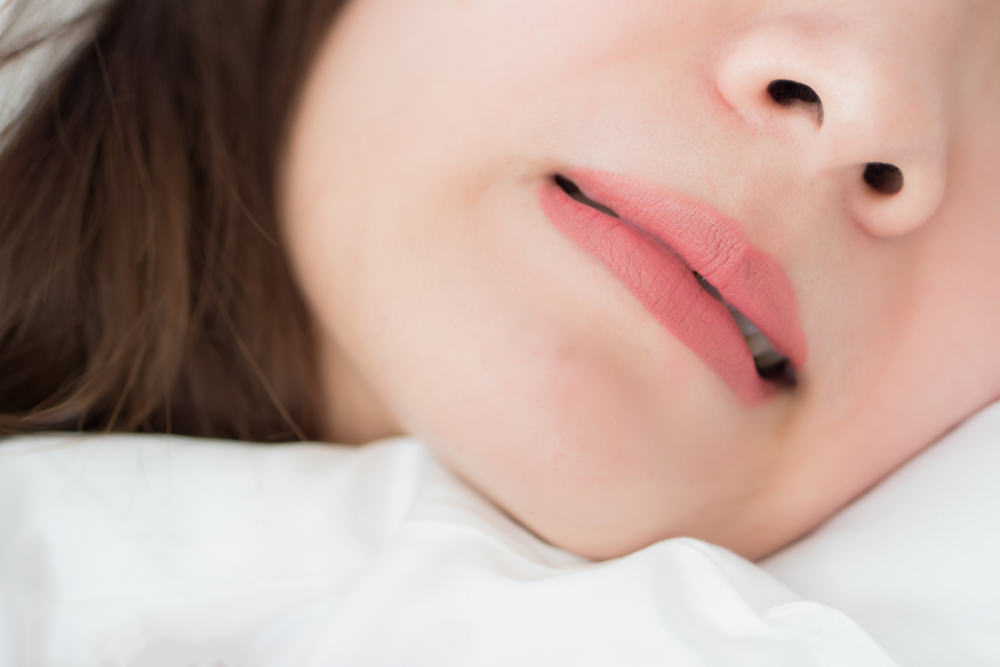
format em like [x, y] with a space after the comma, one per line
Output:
[770, 364]
[570, 188]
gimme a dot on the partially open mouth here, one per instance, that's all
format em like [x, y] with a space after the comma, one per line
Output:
[770, 364]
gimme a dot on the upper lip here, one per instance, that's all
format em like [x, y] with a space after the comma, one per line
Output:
[713, 245]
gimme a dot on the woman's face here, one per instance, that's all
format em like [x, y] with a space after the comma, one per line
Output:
[570, 366]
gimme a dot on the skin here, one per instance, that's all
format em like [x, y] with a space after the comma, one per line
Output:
[450, 308]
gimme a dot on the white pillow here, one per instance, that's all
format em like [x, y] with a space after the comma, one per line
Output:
[19, 78]
[171, 551]
[151, 551]
[916, 561]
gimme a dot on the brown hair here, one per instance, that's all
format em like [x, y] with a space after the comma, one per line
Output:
[143, 282]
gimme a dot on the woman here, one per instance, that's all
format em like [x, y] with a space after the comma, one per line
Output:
[707, 269]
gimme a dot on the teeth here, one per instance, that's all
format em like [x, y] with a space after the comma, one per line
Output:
[768, 361]
[764, 354]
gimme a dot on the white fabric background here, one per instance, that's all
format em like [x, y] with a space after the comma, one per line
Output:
[125, 550]
[916, 561]
[19, 78]
[151, 551]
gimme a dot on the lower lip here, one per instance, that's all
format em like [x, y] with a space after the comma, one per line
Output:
[665, 285]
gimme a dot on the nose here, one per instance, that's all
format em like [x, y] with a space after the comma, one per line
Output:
[849, 107]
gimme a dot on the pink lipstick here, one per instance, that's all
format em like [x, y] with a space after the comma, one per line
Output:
[658, 241]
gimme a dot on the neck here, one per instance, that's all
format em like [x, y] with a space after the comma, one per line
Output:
[355, 413]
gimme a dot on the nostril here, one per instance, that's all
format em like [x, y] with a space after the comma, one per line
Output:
[784, 91]
[884, 178]
[788, 93]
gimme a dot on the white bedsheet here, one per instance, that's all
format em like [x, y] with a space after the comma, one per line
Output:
[916, 561]
[169, 551]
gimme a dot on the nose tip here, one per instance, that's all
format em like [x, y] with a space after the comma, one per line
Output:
[847, 109]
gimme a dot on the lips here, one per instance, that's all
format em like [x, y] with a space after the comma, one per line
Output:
[659, 240]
